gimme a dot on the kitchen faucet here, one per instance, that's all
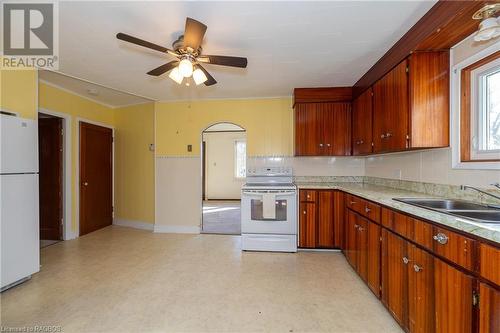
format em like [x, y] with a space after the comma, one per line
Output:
[497, 185]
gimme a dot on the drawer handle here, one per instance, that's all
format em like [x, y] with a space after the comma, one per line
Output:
[367, 209]
[406, 260]
[417, 268]
[352, 202]
[441, 238]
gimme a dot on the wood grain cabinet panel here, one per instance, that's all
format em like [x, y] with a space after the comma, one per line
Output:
[351, 239]
[420, 291]
[362, 116]
[326, 219]
[489, 309]
[453, 299]
[391, 110]
[307, 195]
[307, 225]
[339, 221]
[362, 248]
[394, 276]
[373, 258]
[399, 223]
[455, 247]
[490, 263]
[306, 130]
[364, 207]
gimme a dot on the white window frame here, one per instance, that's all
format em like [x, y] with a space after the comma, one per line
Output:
[455, 88]
[236, 176]
[478, 110]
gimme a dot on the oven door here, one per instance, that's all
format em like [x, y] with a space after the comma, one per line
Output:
[285, 220]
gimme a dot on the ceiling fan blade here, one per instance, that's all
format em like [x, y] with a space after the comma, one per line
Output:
[143, 43]
[163, 68]
[193, 33]
[224, 60]
[210, 79]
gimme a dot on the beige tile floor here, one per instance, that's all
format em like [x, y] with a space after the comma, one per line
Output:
[125, 280]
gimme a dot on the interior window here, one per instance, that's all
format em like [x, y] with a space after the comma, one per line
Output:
[480, 110]
[240, 156]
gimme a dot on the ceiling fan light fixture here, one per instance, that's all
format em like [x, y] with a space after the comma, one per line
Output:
[199, 77]
[186, 67]
[176, 75]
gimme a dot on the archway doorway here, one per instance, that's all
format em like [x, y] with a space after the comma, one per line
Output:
[223, 151]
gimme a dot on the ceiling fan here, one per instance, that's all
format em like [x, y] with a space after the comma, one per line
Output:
[187, 49]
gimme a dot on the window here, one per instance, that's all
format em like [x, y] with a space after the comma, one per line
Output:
[240, 158]
[480, 110]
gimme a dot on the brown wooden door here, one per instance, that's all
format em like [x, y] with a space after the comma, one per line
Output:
[489, 309]
[362, 123]
[325, 219]
[420, 291]
[335, 122]
[373, 258]
[339, 219]
[394, 276]
[96, 177]
[307, 225]
[50, 158]
[362, 248]
[306, 130]
[453, 299]
[351, 238]
[390, 110]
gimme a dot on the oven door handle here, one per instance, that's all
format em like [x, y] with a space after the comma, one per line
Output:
[277, 192]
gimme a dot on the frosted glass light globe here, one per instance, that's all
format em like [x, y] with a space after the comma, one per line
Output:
[186, 67]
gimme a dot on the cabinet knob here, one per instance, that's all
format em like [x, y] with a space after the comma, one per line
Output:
[321, 145]
[308, 196]
[328, 145]
[85, 184]
[356, 226]
[304, 212]
[382, 136]
[388, 135]
[361, 142]
[440, 238]
[367, 210]
[417, 268]
[352, 202]
[406, 260]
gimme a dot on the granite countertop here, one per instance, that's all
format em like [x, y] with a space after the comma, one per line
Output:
[383, 195]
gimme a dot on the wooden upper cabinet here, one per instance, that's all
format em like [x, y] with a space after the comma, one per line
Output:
[362, 123]
[322, 121]
[390, 110]
[411, 104]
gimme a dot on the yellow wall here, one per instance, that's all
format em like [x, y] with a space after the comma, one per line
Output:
[134, 163]
[57, 100]
[269, 124]
[19, 92]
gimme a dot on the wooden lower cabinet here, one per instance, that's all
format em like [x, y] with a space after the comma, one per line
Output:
[394, 276]
[325, 220]
[420, 290]
[307, 225]
[350, 239]
[373, 258]
[453, 299]
[489, 309]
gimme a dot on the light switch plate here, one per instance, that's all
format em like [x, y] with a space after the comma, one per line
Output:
[190, 148]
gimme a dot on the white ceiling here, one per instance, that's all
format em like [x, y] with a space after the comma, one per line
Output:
[89, 90]
[288, 44]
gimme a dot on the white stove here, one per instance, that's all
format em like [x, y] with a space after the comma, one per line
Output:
[269, 210]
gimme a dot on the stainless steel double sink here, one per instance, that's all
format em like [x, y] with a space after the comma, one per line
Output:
[465, 209]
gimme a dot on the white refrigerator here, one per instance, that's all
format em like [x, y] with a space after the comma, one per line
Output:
[19, 226]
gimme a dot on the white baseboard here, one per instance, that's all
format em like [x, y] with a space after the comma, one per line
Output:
[134, 224]
[177, 229]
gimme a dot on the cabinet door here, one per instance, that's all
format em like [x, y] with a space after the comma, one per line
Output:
[453, 299]
[351, 237]
[306, 130]
[335, 120]
[420, 291]
[489, 309]
[339, 219]
[394, 276]
[390, 110]
[325, 219]
[362, 124]
[362, 248]
[307, 225]
[373, 274]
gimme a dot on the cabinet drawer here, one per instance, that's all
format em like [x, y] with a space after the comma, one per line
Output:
[490, 263]
[399, 223]
[364, 207]
[308, 195]
[452, 246]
